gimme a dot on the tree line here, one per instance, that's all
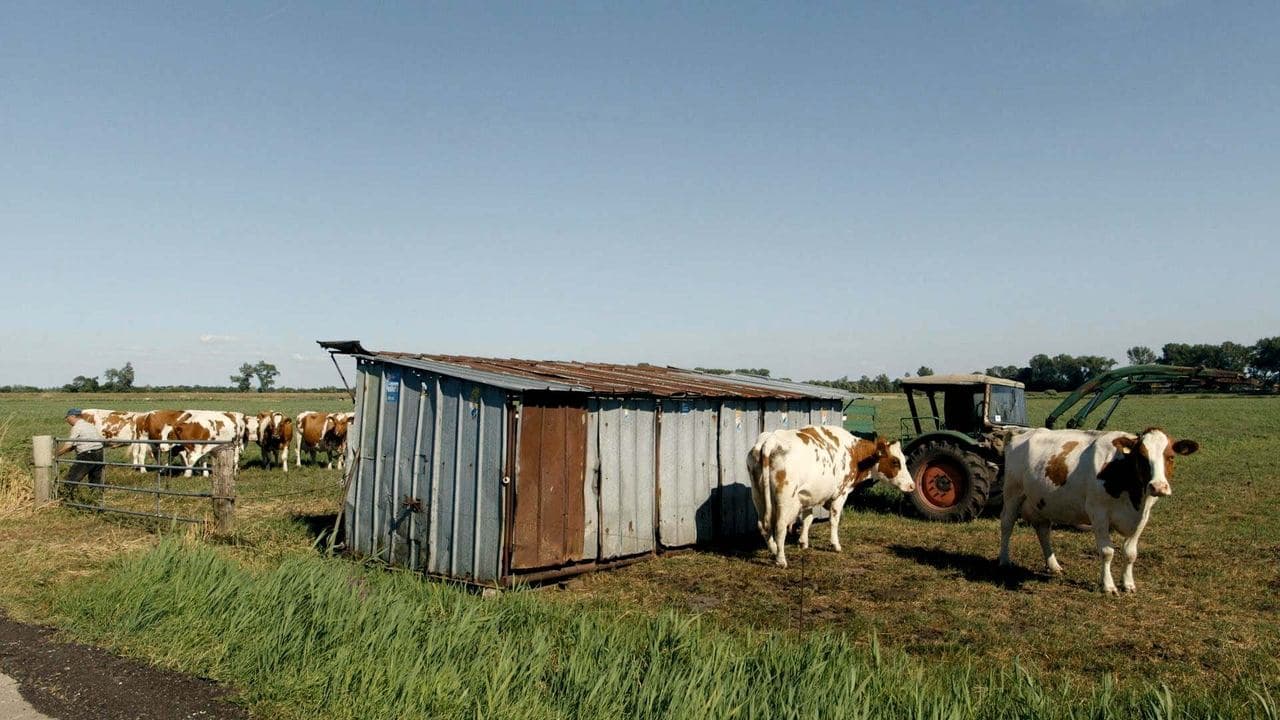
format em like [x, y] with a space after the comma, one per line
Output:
[120, 380]
[1260, 361]
[1061, 372]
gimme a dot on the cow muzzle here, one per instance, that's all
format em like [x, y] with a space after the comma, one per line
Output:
[1161, 489]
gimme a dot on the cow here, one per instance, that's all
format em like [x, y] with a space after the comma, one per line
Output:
[275, 432]
[795, 471]
[195, 429]
[318, 431]
[119, 425]
[1110, 480]
[155, 425]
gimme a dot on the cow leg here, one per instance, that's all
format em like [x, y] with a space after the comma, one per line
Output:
[1009, 513]
[806, 519]
[1046, 546]
[1130, 548]
[284, 454]
[836, 509]
[1102, 533]
[784, 515]
[779, 544]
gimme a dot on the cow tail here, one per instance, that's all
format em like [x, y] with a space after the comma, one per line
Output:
[760, 459]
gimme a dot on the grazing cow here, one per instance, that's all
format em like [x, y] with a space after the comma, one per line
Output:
[1107, 479]
[195, 429]
[275, 431]
[318, 431]
[155, 425]
[119, 425]
[795, 471]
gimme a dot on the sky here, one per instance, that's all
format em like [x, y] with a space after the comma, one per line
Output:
[819, 189]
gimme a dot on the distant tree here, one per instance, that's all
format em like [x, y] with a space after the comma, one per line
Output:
[924, 371]
[1266, 358]
[82, 384]
[713, 371]
[1223, 356]
[1141, 355]
[1010, 372]
[761, 372]
[266, 374]
[1233, 356]
[243, 381]
[118, 380]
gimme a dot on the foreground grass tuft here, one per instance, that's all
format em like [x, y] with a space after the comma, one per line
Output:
[312, 637]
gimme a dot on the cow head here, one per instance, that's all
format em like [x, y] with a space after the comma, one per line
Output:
[1146, 462]
[252, 429]
[339, 424]
[891, 465]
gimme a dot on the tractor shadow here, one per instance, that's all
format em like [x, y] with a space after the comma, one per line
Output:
[973, 567]
[872, 500]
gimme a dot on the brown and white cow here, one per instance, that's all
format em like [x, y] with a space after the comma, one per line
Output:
[275, 432]
[318, 431]
[155, 425]
[119, 425]
[795, 471]
[1110, 480]
[200, 432]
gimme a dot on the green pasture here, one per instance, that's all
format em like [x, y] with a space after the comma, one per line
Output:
[914, 619]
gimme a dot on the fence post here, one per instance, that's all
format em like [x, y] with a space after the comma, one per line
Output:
[42, 473]
[224, 490]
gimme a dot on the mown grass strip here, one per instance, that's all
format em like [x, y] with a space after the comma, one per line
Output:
[315, 637]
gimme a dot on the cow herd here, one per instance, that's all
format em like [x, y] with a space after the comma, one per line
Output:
[186, 437]
[1107, 480]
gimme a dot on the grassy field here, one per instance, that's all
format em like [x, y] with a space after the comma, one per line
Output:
[913, 619]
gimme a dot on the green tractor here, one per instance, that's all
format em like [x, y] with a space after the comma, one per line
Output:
[955, 450]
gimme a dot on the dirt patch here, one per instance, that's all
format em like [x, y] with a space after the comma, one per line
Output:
[71, 681]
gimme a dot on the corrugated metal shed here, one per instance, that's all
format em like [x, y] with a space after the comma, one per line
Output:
[492, 470]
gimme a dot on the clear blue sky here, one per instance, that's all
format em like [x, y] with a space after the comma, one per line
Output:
[821, 190]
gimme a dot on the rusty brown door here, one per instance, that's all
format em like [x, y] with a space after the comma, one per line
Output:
[549, 502]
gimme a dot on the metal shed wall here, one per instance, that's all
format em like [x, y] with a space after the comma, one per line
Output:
[739, 427]
[438, 440]
[621, 477]
[688, 471]
[548, 527]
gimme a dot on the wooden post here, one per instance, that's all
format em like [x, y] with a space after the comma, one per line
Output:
[224, 490]
[42, 473]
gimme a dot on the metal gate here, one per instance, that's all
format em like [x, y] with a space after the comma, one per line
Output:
[156, 480]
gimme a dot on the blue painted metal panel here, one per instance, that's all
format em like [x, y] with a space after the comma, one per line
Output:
[443, 519]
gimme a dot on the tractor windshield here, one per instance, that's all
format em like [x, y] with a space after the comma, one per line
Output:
[1008, 406]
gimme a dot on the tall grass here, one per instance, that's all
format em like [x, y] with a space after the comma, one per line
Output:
[15, 481]
[315, 637]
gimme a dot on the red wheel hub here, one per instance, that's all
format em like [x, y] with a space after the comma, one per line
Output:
[941, 484]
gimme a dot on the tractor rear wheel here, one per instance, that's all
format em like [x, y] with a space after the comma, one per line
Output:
[951, 484]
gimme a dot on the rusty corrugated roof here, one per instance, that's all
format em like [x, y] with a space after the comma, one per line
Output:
[614, 379]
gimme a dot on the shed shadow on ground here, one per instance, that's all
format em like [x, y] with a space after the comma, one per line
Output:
[320, 527]
[973, 567]
[726, 523]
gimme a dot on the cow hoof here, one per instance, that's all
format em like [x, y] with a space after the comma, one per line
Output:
[780, 562]
[837, 548]
[1112, 591]
[1130, 588]
[1056, 570]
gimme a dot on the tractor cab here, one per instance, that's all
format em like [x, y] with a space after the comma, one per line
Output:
[953, 440]
[970, 404]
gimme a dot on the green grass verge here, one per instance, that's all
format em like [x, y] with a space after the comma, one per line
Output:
[314, 637]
